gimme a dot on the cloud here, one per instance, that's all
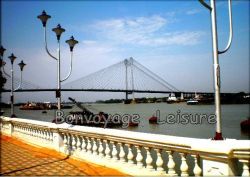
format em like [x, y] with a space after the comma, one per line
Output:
[193, 11]
[143, 31]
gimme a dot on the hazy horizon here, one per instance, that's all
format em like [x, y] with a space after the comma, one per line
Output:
[171, 38]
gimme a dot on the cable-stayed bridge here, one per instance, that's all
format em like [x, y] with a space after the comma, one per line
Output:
[128, 76]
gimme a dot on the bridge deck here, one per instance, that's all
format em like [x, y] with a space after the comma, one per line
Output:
[20, 159]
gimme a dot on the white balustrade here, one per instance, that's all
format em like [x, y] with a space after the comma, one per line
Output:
[107, 147]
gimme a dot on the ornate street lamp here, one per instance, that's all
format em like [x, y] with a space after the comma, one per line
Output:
[12, 58]
[21, 65]
[44, 18]
[72, 42]
[58, 30]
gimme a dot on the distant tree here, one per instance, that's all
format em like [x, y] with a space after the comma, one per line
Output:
[2, 79]
[2, 82]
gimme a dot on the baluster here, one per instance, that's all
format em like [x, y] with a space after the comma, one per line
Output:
[29, 131]
[46, 136]
[197, 170]
[83, 144]
[88, 145]
[107, 150]
[130, 154]
[245, 167]
[122, 153]
[22, 129]
[69, 145]
[65, 143]
[78, 144]
[42, 136]
[73, 143]
[32, 133]
[94, 147]
[171, 164]
[114, 151]
[159, 161]
[100, 149]
[51, 137]
[139, 157]
[25, 131]
[149, 159]
[38, 134]
[19, 130]
[184, 166]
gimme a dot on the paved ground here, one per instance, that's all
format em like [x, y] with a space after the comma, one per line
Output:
[20, 159]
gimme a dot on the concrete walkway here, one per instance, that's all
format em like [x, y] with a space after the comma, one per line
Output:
[20, 159]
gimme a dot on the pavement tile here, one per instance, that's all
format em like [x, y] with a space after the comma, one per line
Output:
[20, 159]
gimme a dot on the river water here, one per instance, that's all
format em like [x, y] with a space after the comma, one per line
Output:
[232, 115]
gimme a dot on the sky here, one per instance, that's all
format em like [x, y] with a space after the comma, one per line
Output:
[171, 38]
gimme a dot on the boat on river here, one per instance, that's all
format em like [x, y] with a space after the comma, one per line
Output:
[172, 99]
[245, 125]
[153, 120]
[42, 106]
[192, 102]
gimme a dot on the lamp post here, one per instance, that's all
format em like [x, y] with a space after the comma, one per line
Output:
[216, 52]
[72, 42]
[12, 58]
